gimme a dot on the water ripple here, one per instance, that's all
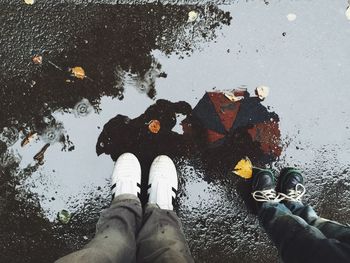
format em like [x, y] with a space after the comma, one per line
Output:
[53, 133]
[83, 108]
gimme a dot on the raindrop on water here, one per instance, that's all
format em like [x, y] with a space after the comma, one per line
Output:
[53, 133]
[83, 108]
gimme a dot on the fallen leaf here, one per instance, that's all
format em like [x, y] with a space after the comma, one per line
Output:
[262, 92]
[244, 168]
[291, 17]
[232, 97]
[154, 126]
[64, 216]
[29, 2]
[39, 157]
[37, 59]
[192, 16]
[28, 138]
[78, 72]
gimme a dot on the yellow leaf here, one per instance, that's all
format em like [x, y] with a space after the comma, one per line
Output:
[244, 168]
[78, 72]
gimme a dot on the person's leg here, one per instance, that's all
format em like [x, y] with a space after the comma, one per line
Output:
[291, 185]
[115, 234]
[295, 239]
[161, 238]
[116, 229]
[331, 229]
[289, 233]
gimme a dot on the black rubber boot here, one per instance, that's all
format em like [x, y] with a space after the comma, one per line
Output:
[263, 179]
[288, 179]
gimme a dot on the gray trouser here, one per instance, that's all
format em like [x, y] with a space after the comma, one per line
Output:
[301, 236]
[124, 234]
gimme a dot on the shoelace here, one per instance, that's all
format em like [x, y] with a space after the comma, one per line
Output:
[295, 194]
[267, 195]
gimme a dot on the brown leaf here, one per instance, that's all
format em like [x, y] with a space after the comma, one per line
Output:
[39, 157]
[28, 138]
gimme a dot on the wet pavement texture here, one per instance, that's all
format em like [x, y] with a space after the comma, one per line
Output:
[135, 54]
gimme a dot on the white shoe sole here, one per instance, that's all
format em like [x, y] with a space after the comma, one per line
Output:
[126, 176]
[163, 182]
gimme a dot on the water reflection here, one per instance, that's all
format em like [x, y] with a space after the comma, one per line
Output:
[260, 56]
[113, 45]
[146, 83]
[110, 42]
[20, 209]
[252, 131]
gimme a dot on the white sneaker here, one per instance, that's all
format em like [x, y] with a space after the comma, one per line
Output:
[126, 177]
[162, 182]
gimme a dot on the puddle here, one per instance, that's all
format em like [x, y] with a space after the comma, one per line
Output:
[135, 55]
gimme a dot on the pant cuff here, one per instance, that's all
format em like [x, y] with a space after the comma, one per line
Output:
[125, 197]
[151, 206]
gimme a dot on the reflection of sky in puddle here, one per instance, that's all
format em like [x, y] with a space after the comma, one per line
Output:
[307, 71]
[67, 174]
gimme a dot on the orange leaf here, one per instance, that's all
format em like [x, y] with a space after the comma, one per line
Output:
[78, 72]
[37, 59]
[154, 126]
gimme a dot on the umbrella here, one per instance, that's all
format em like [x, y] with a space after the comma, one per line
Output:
[221, 117]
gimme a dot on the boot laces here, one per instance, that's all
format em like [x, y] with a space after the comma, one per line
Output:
[267, 195]
[295, 194]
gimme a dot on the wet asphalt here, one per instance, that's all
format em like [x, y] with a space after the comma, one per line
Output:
[134, 54]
